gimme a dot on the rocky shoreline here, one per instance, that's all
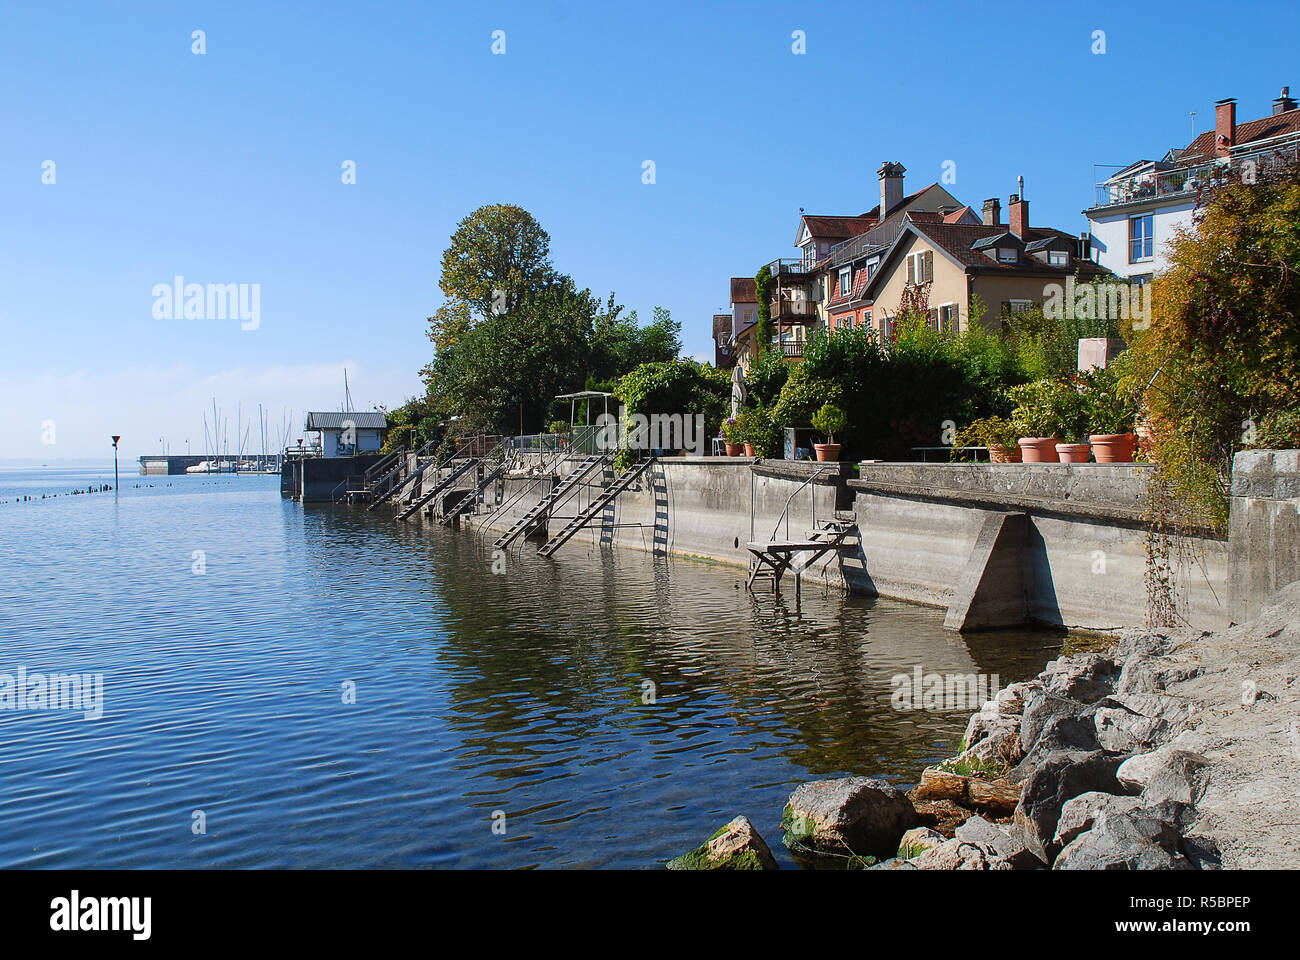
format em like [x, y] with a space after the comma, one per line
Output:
[1170, 751]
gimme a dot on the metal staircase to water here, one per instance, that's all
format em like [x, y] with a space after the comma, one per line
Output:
[468, 502]
[457, 471]
[593, 509]
[772, 558]
[558, 493]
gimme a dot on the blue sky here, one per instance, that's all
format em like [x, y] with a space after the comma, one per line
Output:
[225, 167]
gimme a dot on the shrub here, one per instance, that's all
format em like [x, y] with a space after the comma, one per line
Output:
[1046, 408]
[1279, 430]
[801, 397]
[988, 432]
[558, 426]
[1109, 404]
[830, 420]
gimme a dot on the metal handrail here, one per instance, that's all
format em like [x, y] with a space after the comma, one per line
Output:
[785, 511]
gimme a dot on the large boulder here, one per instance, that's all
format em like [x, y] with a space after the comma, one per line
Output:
[1179, 777]
[1086, 678]
[1126, 839]
[1143, 674]
[1007, 847]
[1040, 711]
[1079, 815]
[1141, 722]
[1061, 734]
[737, 846]
[1135, 772]
[1058, 779]
[854, 818]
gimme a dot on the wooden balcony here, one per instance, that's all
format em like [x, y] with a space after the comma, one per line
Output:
[794, 311]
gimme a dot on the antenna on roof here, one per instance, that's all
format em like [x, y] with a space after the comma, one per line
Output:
[1193, 121]
[1020, 187]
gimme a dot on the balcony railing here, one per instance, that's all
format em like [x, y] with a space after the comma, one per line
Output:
[1151, 182]
[778, 267]
[800, 311]
[789, 348]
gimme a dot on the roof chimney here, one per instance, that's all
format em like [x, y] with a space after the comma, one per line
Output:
[1019, 212]
[1283, 103]
[891, 187]
[1225, 126]
[1085, 246]
[992, 212]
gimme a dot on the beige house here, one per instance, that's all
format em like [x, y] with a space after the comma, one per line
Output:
[938, 267]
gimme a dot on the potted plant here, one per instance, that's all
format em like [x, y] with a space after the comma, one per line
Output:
[829, 420]
[1072, 415]
[1112, 412]
[759, 439]
[1036, 415]
[1000, 435]
[733, 436]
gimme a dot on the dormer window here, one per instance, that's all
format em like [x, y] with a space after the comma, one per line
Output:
[1058, 258]
[1007, 255]
[845, 277]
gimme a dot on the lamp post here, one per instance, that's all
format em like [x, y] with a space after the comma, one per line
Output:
[116, 437]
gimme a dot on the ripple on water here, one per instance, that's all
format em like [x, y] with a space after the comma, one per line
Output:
[476, 696]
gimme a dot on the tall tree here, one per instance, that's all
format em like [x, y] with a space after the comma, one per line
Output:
[498, 254]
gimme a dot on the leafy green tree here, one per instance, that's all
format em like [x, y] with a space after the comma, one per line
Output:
[498, 255]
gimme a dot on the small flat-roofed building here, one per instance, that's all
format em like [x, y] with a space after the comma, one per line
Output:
[348, 433]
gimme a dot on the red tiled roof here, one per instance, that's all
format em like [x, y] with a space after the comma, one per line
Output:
[837, 228]
[838, 300]
[721, 324]
[957, 215]
[743, 290]
[1250, 131]
[956, 240]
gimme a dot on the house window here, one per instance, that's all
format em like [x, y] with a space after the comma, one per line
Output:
[1058, 258]
[949, 318]
[1007, 255]
[1141, 238]
[871, 267]
[845, 276]
[1018, 306]
[918, 267]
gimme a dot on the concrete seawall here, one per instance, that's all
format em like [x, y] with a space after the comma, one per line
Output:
[995, 545]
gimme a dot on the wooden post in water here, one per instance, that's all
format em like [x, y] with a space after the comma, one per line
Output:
[116, 437]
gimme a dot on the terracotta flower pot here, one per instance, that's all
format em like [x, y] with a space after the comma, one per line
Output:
[827, 452]
[1039, 449]
[749, 450]
[1113, 447]
[734, 449]
[1073, 452]
[1000, 453]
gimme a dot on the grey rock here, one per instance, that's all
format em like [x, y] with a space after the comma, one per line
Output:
[1153, 675]
[958, 854]
[1138, 839]
[1142, 645]
[1060, 734]
[1079, 814]
[1085, 678]
[855, 816]
[1041, 710]
[1006, 846]
[1136, 771]
[1180, 777]
[1058, 779]
[1141, 722]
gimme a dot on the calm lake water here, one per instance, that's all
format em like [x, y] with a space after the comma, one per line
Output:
[519, 692]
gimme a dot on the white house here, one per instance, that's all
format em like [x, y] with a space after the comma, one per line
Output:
[347, 433]
[1139, 208]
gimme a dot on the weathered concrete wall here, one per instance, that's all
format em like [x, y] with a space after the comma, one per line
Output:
[1084, 557]
[1080, 553]
[1264, 529]
[315, 479]
[708, 512]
